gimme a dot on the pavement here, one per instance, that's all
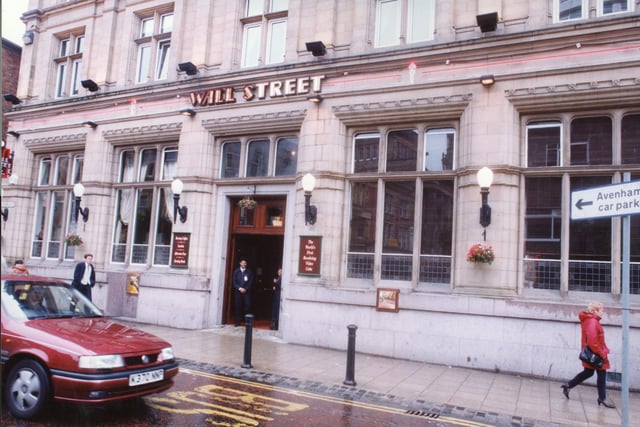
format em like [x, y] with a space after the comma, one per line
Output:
[484, 397]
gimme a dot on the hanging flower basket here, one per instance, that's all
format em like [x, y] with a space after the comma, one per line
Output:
[481, 253]
[73, 239]
[247, 203]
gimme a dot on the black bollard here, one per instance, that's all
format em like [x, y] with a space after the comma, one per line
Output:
[351, 356]
[248, 334]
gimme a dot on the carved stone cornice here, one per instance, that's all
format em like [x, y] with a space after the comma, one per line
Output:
[143, 134]
[277, 121]
[437, 107]
[56, 143]
[571, 96]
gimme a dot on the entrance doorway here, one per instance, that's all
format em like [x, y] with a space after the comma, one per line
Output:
[257, 236]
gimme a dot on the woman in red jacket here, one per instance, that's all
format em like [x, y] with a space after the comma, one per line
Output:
[593, 336]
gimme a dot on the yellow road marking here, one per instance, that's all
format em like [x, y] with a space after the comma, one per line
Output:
[281, 406]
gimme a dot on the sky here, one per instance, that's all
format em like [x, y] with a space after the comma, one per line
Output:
[12, 26]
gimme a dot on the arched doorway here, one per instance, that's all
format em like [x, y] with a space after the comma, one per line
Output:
[256, 235]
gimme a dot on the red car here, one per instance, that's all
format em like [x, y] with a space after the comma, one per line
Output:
[57, 345]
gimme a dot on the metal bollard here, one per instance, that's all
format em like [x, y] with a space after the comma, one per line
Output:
[248, 335]
[351, 356]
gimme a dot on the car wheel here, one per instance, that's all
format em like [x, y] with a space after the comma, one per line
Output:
[27, 389]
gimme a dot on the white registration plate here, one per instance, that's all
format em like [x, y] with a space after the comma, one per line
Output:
[146, 377]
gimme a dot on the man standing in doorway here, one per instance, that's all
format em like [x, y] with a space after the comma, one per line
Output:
[84, 276]
[242, 281]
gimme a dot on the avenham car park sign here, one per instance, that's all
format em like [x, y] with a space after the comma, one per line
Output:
[606, 201]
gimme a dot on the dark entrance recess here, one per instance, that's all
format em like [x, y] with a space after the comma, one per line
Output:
[257, 235]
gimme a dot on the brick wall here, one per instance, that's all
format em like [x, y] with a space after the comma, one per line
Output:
[11, 54]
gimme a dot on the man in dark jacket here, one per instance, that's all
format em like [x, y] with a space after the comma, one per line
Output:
[242, 281]
[84, 276]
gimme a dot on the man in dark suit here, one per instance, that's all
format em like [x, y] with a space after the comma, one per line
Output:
[242, 281]
[84, 276]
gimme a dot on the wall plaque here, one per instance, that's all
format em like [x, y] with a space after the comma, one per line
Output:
[310, 255]
[180, 250]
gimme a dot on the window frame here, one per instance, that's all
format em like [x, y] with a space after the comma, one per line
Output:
[567, 271]
[132, 182]
[54, 203]
[408, 17]
[600, 8]
[153, 46]
[584, 10]
[241, 170]
[258, 33]
[68, 65]
[426, 269]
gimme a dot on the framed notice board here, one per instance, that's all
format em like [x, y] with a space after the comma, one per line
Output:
[310, 255]
[180, 250]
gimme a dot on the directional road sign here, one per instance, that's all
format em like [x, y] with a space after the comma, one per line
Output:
[606, 201]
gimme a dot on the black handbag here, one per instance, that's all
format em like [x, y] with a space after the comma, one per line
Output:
[588, 356]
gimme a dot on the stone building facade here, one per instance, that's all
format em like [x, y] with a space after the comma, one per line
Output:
[393, 106]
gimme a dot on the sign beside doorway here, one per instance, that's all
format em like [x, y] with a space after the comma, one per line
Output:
[310, 255]
[180, 250]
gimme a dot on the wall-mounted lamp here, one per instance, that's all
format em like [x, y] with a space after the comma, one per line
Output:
[188, 67]
[487, 22]
[78, 191]
[12, 98]
[13, 133]
[5, 214]
[89, 124]
[310, 211]
[485, 178]
[188, 112]
[487, 80]
[90, 85]
[316, 48]
[27, 38]
[176, 188]
[316, 99]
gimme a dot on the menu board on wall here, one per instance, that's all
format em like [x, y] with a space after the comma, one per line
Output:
[180, 250]
[310, 255]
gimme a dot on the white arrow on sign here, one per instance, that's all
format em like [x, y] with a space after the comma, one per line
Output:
[606, 201]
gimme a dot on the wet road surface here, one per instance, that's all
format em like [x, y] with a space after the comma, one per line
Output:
[202, 398]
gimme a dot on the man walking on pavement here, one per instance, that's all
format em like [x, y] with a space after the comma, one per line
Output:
[242, 281]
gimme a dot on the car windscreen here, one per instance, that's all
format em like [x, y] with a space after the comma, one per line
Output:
[31, 299]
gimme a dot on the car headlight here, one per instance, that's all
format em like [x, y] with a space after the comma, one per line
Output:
[106, 361]
[166, 354]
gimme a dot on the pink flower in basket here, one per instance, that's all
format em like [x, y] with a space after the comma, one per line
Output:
[481, 253]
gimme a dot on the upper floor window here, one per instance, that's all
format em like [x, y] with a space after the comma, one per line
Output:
[404, 21]
[608, 7]
[68, 64]
[154, 47]
[264, 32]
[567, 10]
[271, 156]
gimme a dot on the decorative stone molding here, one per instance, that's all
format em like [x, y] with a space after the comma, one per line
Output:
[392, 111]
[56, 143]
[277, 121]
[142, 134]
[618, 92]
